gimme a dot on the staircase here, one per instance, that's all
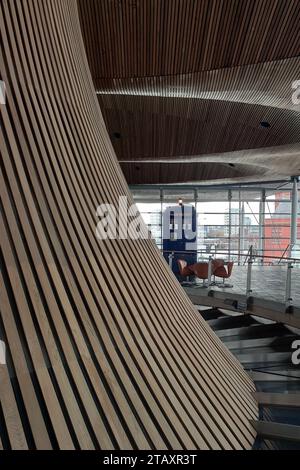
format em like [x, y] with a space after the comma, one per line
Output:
[265, 350]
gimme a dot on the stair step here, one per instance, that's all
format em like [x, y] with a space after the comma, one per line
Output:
[277, 431]
[278, 399]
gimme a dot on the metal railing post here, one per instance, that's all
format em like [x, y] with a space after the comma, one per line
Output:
[229, 223]
[249, 273]
[161, 195]
[262, 209]
[288, 285]
[171, 256]
[294, 215]
[209, 271]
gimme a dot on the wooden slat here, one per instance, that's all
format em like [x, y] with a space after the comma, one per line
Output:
[12, 419]
[102, 356]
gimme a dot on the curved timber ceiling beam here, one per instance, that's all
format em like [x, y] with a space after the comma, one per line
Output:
[104, 349]
[241, 166]
[289, 151]
[164, 173]
[267, 84]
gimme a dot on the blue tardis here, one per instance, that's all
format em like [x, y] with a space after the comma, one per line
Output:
[180, 235]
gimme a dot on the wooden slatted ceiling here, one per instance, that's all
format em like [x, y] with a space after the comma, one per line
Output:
[161, 127]
[185, 78]
[168, 173]
[137, 38]
[104, 349]
[266, 84]
[271, 163]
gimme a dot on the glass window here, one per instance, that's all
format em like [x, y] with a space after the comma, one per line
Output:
[226, 227]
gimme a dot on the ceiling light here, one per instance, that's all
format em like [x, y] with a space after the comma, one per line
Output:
[265, 124]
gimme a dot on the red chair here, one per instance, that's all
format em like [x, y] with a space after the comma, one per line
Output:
[184, 269]
[224, 272]
[215, 264]
[200, 270]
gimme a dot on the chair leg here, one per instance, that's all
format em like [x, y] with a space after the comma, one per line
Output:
[229, 286]
[202, 285]
[187, 282]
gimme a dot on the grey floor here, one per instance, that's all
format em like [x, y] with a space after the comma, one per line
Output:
[268, 282]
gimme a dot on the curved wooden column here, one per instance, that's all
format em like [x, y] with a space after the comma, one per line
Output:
[104, 349]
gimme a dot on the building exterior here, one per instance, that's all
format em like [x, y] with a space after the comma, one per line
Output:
[278, 227]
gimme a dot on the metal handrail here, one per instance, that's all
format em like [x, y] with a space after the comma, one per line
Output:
[295, 260]
[249, 258]
[289, 246]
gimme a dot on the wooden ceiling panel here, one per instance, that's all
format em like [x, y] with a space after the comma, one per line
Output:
[183, 78]
[156, 127]
[133, 38]
[267, 84]
[170, 173]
